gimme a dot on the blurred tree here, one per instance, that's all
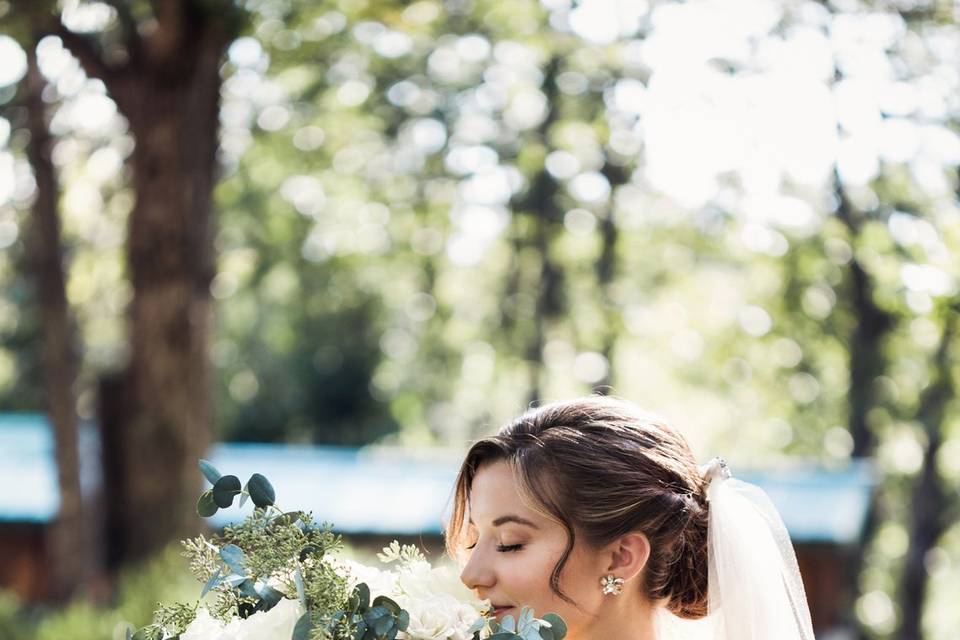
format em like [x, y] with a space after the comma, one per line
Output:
[70, 552]
[933, 508]
[866, 341]
[160, 62]
[69, 556]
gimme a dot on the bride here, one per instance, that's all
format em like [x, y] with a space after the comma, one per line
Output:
[597, 511]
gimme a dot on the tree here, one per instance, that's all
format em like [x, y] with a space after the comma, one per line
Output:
[161, 64]
[70, 551]
[933, 509]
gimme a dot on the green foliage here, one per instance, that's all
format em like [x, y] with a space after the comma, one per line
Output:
[138, 590]
[12, 619]
[382, 619]
[528, 627]
[261, 491]
[225, 489]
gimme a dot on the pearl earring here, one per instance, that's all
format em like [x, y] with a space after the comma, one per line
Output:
[611, 585]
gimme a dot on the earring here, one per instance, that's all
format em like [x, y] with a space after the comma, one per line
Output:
[611, 585]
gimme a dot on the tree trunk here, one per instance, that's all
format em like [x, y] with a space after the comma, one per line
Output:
[930, 501]
[170, 257]
[169, 91]
[873, 324]
[616, 175]
[541, 202]
[67, 542]
[866, 362]
[549, 297]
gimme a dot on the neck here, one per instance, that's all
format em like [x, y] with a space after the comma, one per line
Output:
[621, 619]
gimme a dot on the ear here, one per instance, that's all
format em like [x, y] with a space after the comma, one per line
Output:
[629, 555]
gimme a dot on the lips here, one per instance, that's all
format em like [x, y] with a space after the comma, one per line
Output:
[500, 609]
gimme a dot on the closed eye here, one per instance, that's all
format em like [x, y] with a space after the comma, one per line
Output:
[507, 548]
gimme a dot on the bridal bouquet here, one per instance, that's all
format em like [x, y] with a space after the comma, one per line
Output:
[276, 576]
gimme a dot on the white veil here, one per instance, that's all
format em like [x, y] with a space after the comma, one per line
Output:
[755, 590]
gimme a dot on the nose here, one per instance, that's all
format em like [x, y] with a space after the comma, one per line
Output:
[477, 574]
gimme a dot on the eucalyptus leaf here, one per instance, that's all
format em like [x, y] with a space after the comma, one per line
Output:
[477, 625]
[525, 618]
[206, 505]
[209, 471]
[212, 583]
[261, 491]
[557, 626]
[508, 624]
[360, 631]
[503, 635]
[375, 613]
[301, 631]
[530, 632]
[234, 557]
[248, 589]
[384, 601]
[234, 579]
[362, 592]
[298, 581]
[403, 620]
[226, 488]
[383, 623]
[269, 597]
[290, 517]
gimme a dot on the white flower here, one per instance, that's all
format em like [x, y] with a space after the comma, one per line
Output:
[276, 624]
[205, 627]
[381, 583]
[440, 618]
[441, 607]
[421, 581]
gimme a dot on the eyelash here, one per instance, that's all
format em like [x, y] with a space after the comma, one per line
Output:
[503, 548]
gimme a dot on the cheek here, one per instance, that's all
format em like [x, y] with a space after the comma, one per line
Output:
[527, 582]
[580, 583]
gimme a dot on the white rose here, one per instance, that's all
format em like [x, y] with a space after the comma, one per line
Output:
[439, 618]
[380, 582]
[205, 627]
[276, 624]
[421, 581]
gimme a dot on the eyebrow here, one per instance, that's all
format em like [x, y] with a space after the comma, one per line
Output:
[510, 518]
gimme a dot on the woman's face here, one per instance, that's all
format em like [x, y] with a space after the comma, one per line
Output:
[514, 550]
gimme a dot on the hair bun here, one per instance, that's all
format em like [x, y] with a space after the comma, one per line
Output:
[689, 584]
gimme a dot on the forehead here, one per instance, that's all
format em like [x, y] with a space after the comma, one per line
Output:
[494, 493]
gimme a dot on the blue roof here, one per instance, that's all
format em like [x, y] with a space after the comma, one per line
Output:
[27, 462]
[393, 491]
[357, 490]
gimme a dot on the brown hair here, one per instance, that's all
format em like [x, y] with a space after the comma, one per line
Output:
[602, 468]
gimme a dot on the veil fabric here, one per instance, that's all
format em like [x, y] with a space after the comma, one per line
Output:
[755, 589]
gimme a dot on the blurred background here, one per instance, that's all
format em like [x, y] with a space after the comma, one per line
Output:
[337, 239]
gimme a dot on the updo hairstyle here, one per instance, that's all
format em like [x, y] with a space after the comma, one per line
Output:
[602, 468]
